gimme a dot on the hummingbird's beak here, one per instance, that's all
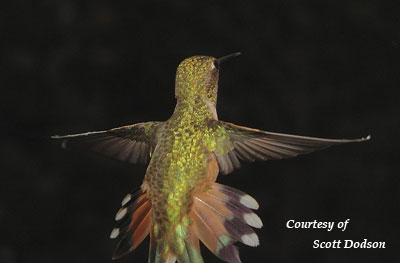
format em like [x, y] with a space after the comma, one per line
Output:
[227, 57]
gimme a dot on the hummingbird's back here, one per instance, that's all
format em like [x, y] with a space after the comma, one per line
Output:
[178, 168]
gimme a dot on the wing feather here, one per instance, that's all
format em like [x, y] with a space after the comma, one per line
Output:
[132, 143]
[247, 144]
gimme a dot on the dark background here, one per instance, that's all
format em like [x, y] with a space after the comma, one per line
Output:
[317, 68]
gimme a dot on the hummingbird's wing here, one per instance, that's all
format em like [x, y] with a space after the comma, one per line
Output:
[245, 144]
[132, 143]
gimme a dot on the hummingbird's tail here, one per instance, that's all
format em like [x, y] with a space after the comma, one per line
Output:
[219, 217]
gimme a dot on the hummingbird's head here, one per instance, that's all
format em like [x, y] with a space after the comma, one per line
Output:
[198, 77]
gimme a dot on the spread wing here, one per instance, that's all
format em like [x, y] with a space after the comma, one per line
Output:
[237, 143]
[132, 143]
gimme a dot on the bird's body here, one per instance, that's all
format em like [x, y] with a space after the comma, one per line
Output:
[179, 202]
[183, 163]
[178, 168]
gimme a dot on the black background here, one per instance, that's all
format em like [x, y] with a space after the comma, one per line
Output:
[317, 68]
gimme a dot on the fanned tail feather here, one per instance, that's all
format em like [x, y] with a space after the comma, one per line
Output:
[223, 216]
[134, 223]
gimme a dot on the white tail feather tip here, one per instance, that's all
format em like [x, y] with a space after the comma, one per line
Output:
[126, 199]
[114, 233]
[253, 220]
[120, 214]
[249, 202]
[250, 240]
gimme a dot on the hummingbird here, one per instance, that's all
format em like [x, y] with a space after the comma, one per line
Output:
[179, 202]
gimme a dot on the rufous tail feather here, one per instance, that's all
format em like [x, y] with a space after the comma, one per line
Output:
[134, 223]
